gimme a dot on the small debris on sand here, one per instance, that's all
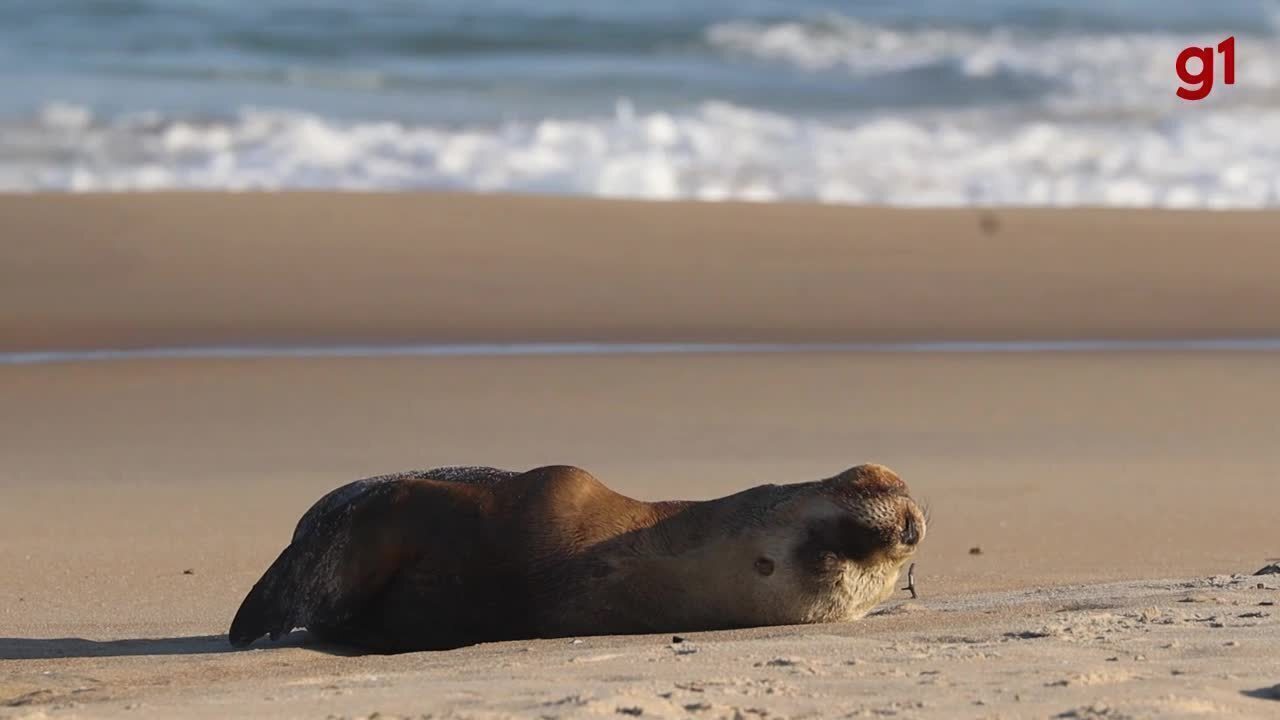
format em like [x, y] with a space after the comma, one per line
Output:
[1028, 634]
[911, 581]
[975, 550]
[989, 223]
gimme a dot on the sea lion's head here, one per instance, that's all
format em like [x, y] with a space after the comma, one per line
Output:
[835, 547]
[878, 520]
[809, 552]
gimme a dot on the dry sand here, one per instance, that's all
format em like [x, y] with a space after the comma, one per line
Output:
[1113, 495]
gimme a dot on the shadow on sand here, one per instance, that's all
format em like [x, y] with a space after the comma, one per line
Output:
[45, 648]
[1266, 693]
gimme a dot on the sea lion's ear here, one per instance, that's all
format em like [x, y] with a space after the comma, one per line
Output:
[343, 552]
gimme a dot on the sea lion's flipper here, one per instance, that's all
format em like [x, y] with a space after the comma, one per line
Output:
[344, 551]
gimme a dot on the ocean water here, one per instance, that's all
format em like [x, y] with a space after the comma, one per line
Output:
[926, 103]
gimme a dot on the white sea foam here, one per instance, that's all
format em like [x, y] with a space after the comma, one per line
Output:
[1220, 158]
[843, 42]
[1092, 71]
[1057, 104]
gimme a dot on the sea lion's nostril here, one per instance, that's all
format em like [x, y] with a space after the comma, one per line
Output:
[910, 531]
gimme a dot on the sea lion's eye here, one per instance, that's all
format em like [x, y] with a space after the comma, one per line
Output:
[764, 566]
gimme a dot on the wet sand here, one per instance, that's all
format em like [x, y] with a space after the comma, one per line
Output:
[91, 271]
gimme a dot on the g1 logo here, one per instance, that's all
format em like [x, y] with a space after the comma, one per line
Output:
[1203, 80]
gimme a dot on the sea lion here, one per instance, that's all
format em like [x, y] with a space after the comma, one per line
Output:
[443, 558]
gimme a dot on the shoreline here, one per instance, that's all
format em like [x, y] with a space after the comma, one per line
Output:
[564, 349]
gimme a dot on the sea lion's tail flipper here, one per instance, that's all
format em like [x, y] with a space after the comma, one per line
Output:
[265, 610]
[345, 549]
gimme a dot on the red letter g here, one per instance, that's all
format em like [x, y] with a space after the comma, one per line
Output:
[1204, 78]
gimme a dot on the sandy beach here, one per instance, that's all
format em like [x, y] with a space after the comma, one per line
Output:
[1118, 501]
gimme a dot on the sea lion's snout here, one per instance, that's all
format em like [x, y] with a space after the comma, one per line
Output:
[896, 523]
[860, 529]
[879, 515]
